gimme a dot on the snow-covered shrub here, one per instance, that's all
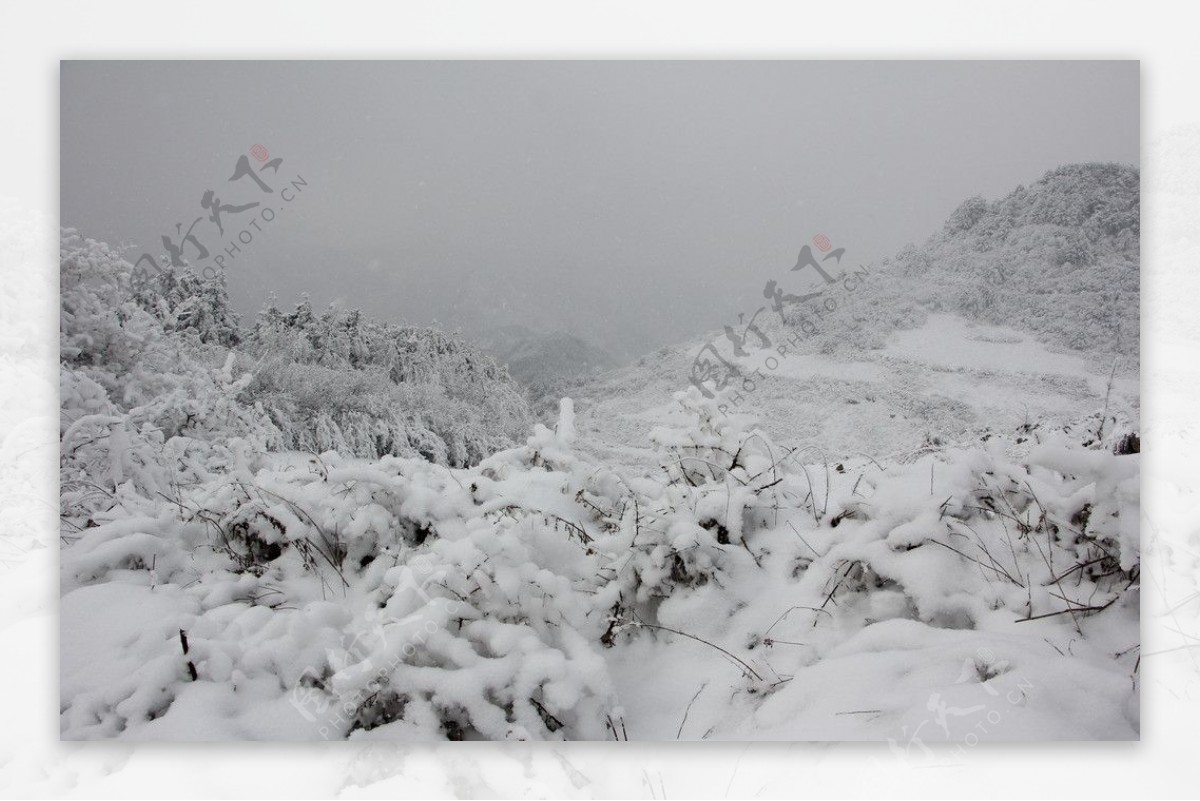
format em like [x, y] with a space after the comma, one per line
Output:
[1074, 250]
[1053, 532]
[969, 212]
[394, 598]
[143, 409]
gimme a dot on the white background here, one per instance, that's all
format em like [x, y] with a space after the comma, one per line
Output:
[34, 36]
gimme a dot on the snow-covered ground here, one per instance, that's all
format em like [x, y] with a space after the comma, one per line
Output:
[874, 672]
[904, 526]
[885, 562]
[949, 379]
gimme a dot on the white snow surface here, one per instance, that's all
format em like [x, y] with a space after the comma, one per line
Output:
[703, 581]
[931, 540]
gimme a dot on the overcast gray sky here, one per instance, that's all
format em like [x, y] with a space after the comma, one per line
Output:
[632, 203]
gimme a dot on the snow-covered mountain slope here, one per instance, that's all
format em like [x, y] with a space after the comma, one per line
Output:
[533, 357]
[949, 381]
[548, 365]
[1016, 313]
[1059, 260]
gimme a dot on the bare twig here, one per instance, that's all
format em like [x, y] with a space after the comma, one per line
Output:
[741, 662]
[679, 733]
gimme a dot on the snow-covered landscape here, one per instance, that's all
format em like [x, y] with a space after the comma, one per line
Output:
[909, 516]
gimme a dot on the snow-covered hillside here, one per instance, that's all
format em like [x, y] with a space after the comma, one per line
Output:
[949, 382]
[924, 531]
[1021, 312]
[1058, 260]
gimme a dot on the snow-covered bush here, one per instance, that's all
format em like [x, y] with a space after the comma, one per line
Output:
[396, 598]
[724, 483]
[143, 409]
[187, 302]
[969, 212]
